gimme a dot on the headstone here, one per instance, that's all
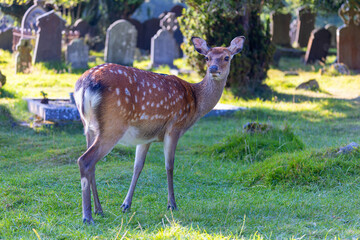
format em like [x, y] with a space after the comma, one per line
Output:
[150, 28]
[280, 28]
[318, 46]
[48, 39]
[77, 53]
[23, 56]
[6, 37]
[306, 23]
[292, 33]
[332, 29]
[120, 43]
[82, 27]
[177, 9]
[348, 36]
[31, 15]
[139, 29]
[163, 45]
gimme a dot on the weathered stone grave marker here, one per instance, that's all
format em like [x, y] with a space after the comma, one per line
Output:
[318, 46]
[348, 35]
[23, 56]
[77, 53]
[48, 39]
[332, 29]
[120, 43]
[6, 36]
[163, 44]
[305, 24]
[280, 28]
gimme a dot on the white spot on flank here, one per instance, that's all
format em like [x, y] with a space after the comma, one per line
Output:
[148, 84]
[111, 71]
[161, 102]
[125, 74]
[127, 92]
[143, 107]
[152, 104]
[157, 105]
[133, 107]
[138, 89]
[154, 85]
[147, 103]
[118, 103]
[150, 91]
[117, 91]
[120, 72]
[144, 93]
[130, 80]
[135, 98]
[135, 78]
[127, 100]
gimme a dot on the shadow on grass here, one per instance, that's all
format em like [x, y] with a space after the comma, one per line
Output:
[6, 94]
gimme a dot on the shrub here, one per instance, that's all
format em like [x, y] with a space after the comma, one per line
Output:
[218, 22]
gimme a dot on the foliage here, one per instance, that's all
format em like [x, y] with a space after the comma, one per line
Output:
[218, 22]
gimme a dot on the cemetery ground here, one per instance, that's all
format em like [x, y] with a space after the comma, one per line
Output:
[285, 183]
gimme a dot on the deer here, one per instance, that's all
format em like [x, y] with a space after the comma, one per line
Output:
[125, 105]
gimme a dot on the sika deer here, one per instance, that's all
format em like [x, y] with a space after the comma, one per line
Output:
[119, 104]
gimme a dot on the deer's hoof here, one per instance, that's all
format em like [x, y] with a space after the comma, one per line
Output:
[125, 207]
[172, 208]
[88, 221]
[99, 212]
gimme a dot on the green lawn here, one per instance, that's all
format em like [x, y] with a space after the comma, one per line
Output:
[285, 184]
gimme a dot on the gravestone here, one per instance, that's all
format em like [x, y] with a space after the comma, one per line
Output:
[82, 27]
[139, 29]
[23, 56]
[77, 53]
[150, 28]
[318, 46]
[306, 23]
[348, 36]
[292, 33]
[280, 28]
[29, 19]
[48, 38]
[332, 29]
[6, 37]
[163, 45]
[120, 43]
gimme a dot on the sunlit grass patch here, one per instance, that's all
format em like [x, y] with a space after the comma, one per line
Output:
[257, 146]
[324, 169]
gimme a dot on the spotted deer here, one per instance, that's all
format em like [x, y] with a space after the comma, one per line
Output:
[120, 104]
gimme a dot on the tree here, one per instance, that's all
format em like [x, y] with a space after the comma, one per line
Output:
[219, 22]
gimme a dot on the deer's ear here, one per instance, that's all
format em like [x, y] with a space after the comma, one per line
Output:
[236, 45]
[200, 45]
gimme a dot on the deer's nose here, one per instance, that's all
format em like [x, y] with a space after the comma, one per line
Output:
[213, 69]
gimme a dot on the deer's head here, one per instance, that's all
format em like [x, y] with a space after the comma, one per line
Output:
[218, 58]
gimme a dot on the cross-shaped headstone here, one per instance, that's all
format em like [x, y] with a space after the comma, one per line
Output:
[350, 12]
[169, 22]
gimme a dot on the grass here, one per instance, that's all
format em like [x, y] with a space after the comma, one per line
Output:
[287, 183]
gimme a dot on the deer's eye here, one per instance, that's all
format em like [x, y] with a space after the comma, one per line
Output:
[206, 59]
[227, 58]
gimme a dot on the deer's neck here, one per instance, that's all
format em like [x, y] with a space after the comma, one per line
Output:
[208, 93]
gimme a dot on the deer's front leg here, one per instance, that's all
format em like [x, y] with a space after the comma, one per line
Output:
[170, 142]
[140, 155]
